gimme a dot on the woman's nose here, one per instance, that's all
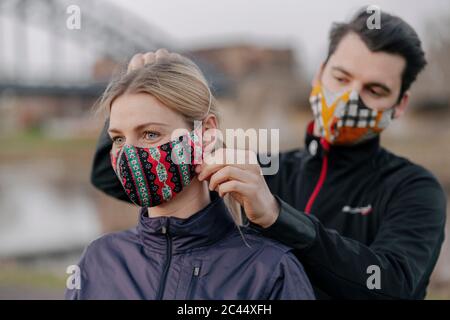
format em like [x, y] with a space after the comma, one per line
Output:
[138, 143]
[132, 141]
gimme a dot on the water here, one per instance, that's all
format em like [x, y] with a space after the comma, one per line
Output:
[42, 210]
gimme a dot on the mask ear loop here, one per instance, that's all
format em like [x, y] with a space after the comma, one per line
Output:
[207, 111]
[197, 128]
[209, 103]
[232, 216]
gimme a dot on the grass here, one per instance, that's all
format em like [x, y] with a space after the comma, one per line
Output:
[35, 143]
[19, 276]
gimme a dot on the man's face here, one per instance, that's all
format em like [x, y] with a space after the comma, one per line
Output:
[377, 76]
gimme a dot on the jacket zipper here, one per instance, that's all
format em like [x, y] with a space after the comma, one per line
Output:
[165, 231]
[193, 283]
[323, 175]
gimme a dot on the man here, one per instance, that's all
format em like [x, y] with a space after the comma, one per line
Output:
[365, 223]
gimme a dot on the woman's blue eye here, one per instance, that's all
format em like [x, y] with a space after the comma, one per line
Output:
[118, 140]
[151, 135]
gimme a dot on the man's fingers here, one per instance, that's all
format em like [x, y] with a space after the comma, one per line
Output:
[175, 57]
[229, 173]
[149, 58]
[136, 62]
[162, 55]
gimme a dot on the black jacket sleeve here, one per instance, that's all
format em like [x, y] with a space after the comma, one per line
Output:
[103, 176]
[405, 249]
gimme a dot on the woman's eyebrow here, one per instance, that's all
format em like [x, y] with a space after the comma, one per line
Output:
[140, 126]
[111, 130]
[144, 125]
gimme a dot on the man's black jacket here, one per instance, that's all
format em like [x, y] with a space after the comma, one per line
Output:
[372, 214]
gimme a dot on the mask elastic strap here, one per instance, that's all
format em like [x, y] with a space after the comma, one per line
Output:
[209, 103]
[207, 111]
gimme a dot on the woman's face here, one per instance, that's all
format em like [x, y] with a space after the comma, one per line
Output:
[141, 120]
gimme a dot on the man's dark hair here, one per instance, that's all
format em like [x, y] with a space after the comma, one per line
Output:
[395, 36]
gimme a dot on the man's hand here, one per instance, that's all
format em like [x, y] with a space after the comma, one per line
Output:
[244, 182]
[141, 59]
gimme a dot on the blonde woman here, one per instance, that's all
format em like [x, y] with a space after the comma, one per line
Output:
[188, 243]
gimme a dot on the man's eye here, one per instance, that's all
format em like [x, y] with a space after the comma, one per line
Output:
[341, 80]
[375, 93]
[150, 135]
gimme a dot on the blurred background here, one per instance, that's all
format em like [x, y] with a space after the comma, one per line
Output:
[259, 57]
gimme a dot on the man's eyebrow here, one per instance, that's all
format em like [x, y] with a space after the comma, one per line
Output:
[342, 70]
[140, 127]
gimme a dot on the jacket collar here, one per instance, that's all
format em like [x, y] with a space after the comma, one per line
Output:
[203, 228]
[340, 155]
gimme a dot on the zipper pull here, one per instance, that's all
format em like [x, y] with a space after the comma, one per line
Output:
[165, 228]
[196, 271]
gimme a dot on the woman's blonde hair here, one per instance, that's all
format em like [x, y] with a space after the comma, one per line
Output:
[180, 85]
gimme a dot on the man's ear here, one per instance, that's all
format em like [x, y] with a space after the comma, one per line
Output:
[400, 108]
[318, 76]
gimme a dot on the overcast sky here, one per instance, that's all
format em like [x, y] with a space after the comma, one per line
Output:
[298, 23]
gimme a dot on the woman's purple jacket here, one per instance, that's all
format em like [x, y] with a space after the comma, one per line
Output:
[202, 257]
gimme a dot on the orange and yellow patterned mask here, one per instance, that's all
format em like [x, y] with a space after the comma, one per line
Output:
[343, 118]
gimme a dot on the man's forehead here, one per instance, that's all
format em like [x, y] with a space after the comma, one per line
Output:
[353, 56]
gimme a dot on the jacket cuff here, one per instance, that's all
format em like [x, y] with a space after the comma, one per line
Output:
[292, 227]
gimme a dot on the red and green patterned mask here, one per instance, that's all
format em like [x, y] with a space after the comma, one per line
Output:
[151, 176]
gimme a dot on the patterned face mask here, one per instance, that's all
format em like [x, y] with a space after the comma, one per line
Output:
[344, 119]
[151, 176]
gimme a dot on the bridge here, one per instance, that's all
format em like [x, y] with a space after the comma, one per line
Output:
[32, 31]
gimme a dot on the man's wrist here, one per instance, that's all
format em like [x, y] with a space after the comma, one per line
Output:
[292, 227]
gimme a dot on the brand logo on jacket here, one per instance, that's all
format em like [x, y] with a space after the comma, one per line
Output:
[364, 211]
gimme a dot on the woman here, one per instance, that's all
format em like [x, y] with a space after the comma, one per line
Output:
[188, 243]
